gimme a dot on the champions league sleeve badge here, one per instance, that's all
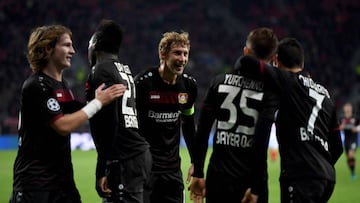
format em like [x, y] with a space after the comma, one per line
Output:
[183, 98]
[53, 104]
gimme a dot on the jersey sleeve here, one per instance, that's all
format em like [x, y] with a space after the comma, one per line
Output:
[42, 95]
[206, 120]
[103, 75]
[260, 147]
[188, 120]
[335, 143]
[191, 85]
[141, 97]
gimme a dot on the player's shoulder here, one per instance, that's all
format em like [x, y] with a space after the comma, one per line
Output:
[306, 80]
[37, 80]
[189, 78]
[106, 65]
[145, 75]
[39, 83]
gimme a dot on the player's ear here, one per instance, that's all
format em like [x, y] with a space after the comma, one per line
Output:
[48, 50]
[274, 60]
[162, 55]
[278, 63]
[246, 51]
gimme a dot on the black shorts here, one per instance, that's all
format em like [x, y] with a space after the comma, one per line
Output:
[127, 178]
[306, 190]
[350, 143]
[165, 187]
[223, 188]
[53, 196]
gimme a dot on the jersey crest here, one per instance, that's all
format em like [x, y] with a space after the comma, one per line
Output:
[183, 98]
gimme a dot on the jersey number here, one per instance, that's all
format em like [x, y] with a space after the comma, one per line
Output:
[228, 104]
[129, 93]
[315, 110]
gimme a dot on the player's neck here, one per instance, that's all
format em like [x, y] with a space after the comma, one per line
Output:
[53, 72]
[294, 70]
[167, 76]
[102, 56]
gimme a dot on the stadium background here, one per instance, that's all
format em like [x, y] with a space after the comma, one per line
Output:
[328, 29]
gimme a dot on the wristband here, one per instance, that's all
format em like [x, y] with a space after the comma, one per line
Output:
[92, 108]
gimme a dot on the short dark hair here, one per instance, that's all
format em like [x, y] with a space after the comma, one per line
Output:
[262, 42]
[290, 53]
[108, 36]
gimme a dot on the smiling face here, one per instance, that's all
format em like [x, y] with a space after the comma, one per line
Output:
[62, 52]
[176, 59]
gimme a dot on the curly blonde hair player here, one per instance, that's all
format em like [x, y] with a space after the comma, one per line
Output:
[170, 39]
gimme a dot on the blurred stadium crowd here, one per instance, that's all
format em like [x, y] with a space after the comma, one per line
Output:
[328, 29]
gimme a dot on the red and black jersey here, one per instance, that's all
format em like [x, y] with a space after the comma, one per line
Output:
[163, 110]
[307, 124]
[350, 133]
[115, 127]
[234, 102]
[43, 161]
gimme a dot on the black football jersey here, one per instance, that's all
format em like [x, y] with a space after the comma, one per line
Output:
[307, 124]
[115, 127]
[43, 161]
[350, 137]
[234, 102]
[163, 109]
[349, 125]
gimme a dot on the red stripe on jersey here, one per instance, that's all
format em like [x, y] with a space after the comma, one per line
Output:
[262, 67]
[87, 86]
[163, 97]
[64, 95]
[53, 119]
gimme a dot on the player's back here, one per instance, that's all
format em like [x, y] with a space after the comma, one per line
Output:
[306, 121]
[306, 117]
[115, 127]
[236, 101]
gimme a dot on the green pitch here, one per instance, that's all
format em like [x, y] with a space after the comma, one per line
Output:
[346, 190]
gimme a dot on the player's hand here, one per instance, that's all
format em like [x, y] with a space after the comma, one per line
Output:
[102, 188]
[190, 173]
[105, 96]
[249, 197]
[197, 190]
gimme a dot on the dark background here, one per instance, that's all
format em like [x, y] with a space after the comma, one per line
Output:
[328, 29]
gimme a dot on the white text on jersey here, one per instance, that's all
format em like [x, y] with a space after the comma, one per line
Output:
[308, 136]
[240, 81]
[233, 139]
[164, 117]
[308, 82]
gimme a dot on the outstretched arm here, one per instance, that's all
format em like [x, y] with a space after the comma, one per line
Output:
[69, 122]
